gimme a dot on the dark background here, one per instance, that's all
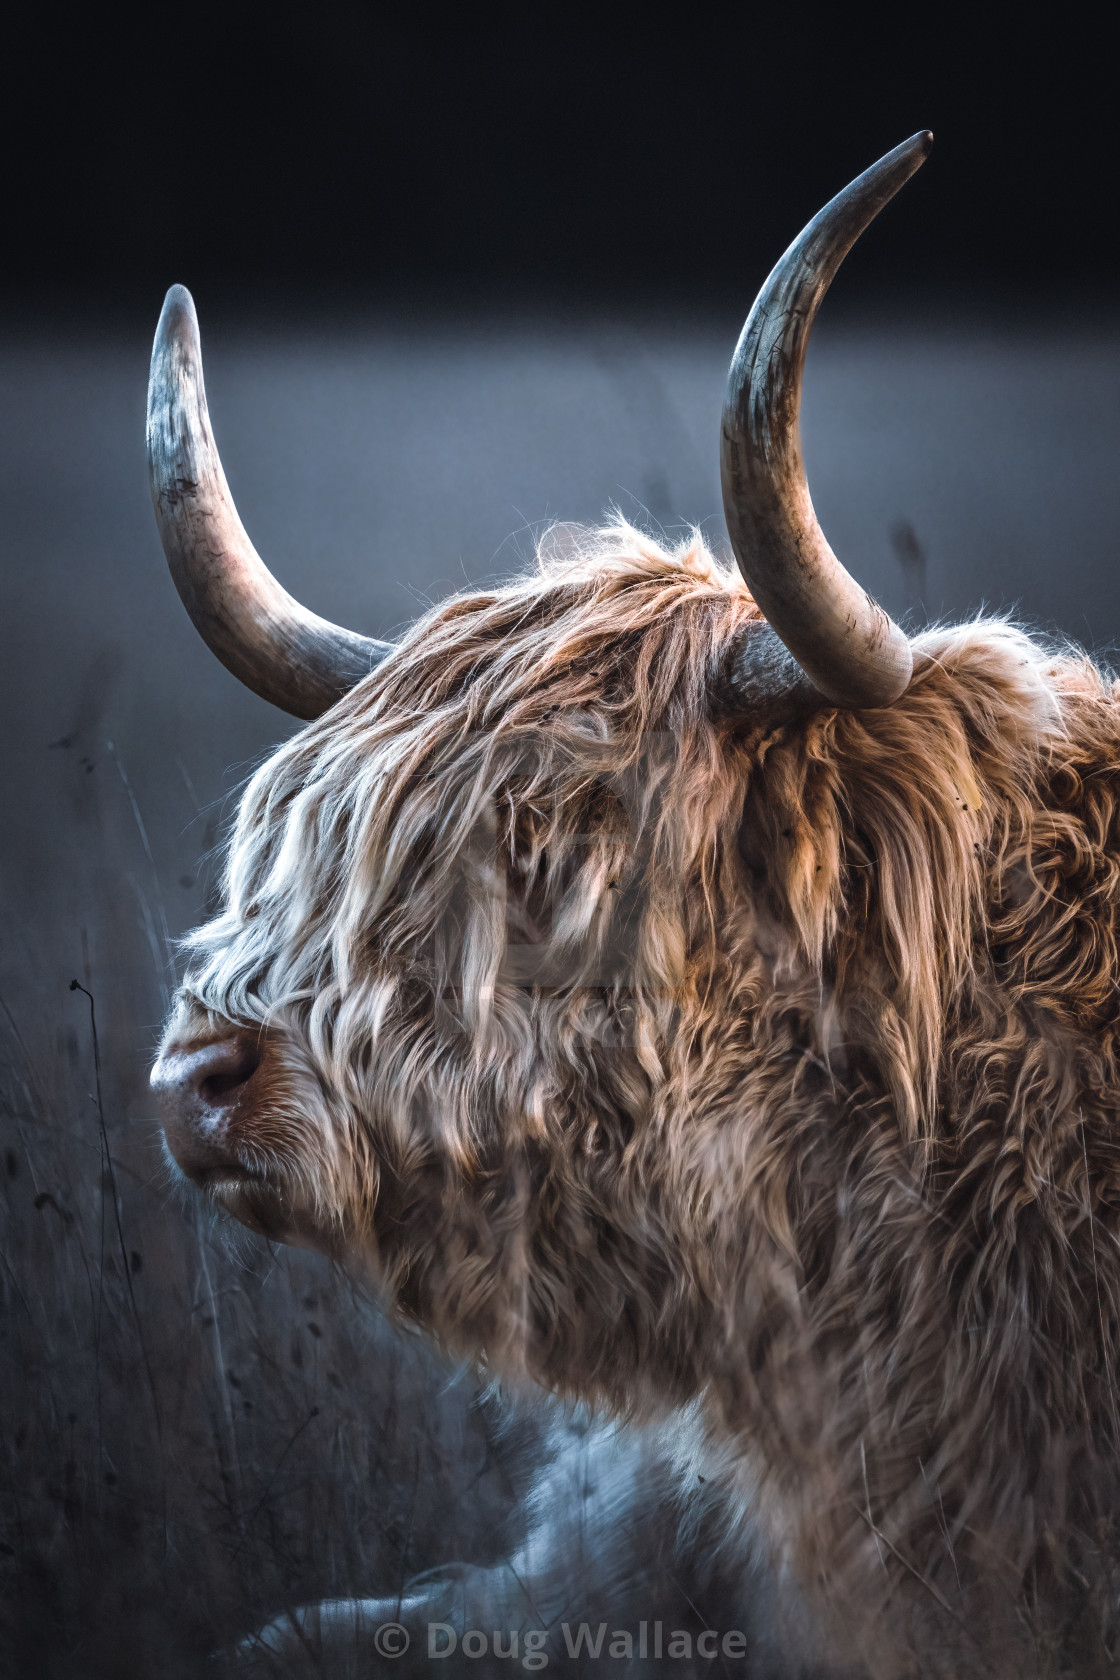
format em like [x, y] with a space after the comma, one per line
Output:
[303, 153]
[456, 278]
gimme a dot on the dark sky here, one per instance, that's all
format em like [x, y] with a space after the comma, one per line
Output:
[336, 149]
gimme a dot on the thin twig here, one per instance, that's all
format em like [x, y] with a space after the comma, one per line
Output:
[76, 986]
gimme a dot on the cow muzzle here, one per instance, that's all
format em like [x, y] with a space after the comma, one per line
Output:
[205, 1094]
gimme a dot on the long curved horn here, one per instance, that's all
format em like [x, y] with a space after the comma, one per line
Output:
[849, 648]
[284, 653]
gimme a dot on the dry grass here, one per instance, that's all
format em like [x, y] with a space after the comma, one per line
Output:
[193, 1434]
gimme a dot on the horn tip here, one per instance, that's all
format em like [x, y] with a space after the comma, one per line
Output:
[178, 313]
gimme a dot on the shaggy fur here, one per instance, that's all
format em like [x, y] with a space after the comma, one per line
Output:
[762, 1066]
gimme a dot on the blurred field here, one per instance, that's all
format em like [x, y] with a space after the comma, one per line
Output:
[196, 1432]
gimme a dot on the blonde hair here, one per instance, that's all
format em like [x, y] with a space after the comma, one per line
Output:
[761, 1062]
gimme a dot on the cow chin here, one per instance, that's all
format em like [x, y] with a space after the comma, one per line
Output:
[271, 1212]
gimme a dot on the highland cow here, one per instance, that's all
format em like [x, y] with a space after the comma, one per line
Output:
[680, 988]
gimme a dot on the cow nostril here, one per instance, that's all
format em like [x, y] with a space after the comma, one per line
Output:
[207, 1112]
[208, 1077]
[234, 1069]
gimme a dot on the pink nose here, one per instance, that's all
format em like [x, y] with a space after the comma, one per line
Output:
[202, 1092]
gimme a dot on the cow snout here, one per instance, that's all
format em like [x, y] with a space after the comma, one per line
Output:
[203, 1091]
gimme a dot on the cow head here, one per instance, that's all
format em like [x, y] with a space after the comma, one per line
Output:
[491, 893]
[561, 869]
